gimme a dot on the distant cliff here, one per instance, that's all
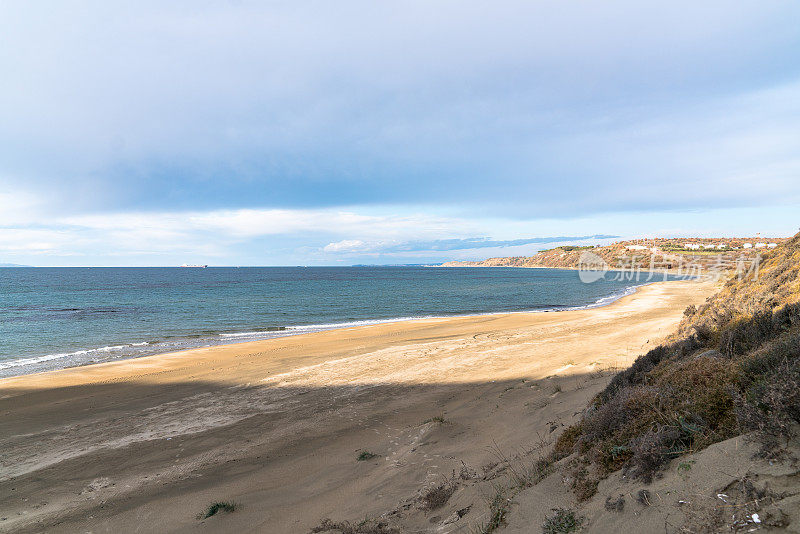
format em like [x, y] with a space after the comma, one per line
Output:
[669, 254]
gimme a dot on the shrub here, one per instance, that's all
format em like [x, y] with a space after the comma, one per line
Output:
[367, 526]
[686, 405]
[700, 390]
[684, 396]
[366, 455]
[438, 495]
[615, 505]
[733, 366]
[761, 363]
[216, 507]
[584, 484]
[615, 415]
[562, 521]
[655, 448]
[638, 373]
[743, 335]
[498, 510]
[771, 405]
[436, 419]
[566, 442]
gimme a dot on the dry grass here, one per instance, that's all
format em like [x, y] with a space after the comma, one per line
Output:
[769, 402]
[615, 504]
[562, 521]
[499, 505]
[436, 419]
[437, 496]
[734, 367]
[367, 526]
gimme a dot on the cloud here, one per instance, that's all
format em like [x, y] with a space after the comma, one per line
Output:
[329, 236]
[252, 223]
[386, 234]
[18, 207]
[215, 232]
[526, 109]
[36, 241]
[350, 245]
[223, 233]
[445, 245]
[292, 132]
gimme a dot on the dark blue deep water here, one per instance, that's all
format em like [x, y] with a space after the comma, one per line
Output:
[60, 317]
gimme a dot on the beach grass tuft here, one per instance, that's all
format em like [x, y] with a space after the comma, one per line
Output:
[561, 522]
[366, 526]
[216, 507]
[436, 419]
[437, 496]
[499, 505]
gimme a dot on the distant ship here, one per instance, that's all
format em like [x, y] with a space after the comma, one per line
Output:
[195, 266]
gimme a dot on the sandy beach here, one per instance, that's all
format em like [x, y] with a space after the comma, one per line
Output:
[276, 426]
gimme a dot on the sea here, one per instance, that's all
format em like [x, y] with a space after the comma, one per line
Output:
[53, 318]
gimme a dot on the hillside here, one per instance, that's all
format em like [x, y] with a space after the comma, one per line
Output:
[669, 254]
[775, 284]
[732, 369]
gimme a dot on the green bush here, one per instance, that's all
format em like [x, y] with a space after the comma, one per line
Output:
[366, 455]
[216, 507]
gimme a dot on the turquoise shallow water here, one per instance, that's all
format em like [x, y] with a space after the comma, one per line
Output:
[60, 317]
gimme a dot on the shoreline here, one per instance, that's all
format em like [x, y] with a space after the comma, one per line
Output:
[244, 345]
[151, 360]
[276, 425]
[292, 331]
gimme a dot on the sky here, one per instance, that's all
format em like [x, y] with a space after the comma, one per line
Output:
[338, 133]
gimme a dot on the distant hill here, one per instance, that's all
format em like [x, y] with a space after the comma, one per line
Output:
[12, 265]
[661, 253]
[395, 265]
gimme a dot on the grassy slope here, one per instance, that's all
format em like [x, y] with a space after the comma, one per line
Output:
[732, 367]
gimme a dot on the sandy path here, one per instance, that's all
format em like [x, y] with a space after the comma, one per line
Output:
[144, 445]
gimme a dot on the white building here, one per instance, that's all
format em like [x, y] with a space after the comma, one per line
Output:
[772, 245]
[747, 245]
[761, 245]
[691, 246]
[636, 247]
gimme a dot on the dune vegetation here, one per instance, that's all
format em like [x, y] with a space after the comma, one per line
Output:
[732, 368]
